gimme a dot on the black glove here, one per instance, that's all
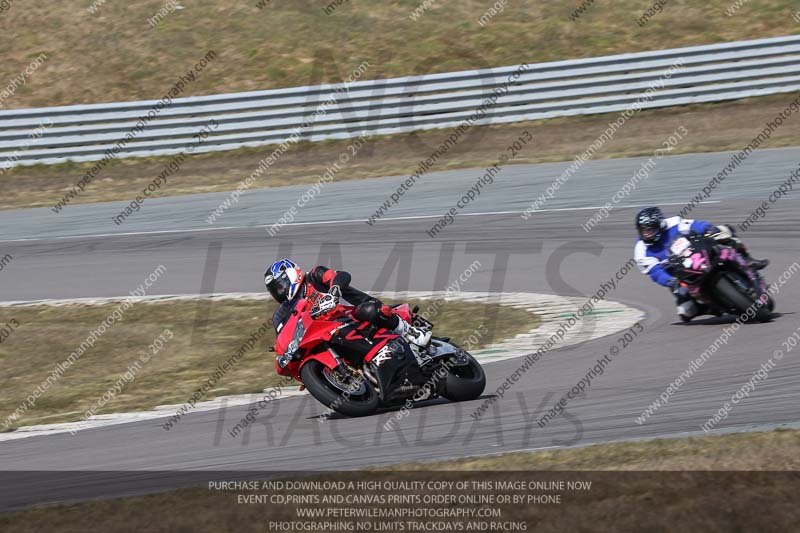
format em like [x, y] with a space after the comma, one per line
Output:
[680, 291]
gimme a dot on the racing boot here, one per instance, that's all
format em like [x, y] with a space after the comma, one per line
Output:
[758, 264]
[413, 334]
[688, 310]
[752, 262]
[687, 307]
[727, 235]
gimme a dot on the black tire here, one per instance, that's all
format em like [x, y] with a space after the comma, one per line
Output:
[728, 293]
[465, 383]
[313, 376]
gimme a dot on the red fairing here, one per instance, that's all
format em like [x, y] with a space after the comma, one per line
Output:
[287, 331]
[326, 358]
[320, 330]
[403, 311]
[316, 332]
[293, 368]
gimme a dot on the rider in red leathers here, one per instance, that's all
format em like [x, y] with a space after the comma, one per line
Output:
[397, 369]
[286, 282]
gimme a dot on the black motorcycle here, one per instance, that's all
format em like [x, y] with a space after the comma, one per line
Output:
[719, 278]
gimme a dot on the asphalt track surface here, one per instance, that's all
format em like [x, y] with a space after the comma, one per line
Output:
[82, 253]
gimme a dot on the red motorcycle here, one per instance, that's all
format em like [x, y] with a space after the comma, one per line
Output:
[719, 278]
[391, 372]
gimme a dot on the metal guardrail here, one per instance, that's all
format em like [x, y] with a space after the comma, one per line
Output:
[710, 73]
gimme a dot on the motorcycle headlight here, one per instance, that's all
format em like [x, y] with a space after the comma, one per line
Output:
[299, 332]
[292, 348]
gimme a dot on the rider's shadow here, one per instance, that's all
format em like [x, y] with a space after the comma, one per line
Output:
[393, 409]
[720, 320]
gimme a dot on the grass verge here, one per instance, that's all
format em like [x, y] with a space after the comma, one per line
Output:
[711, 127]
[108, 51]
[621, 501]
[777, 450]
[205, 334]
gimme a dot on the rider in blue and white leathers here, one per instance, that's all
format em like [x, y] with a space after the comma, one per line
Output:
[649, 256]
[656, 235]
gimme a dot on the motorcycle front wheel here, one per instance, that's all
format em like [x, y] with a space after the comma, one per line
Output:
[354, 396]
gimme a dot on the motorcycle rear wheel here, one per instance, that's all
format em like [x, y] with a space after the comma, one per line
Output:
[364, 403]
[466, 382]
[728, 292]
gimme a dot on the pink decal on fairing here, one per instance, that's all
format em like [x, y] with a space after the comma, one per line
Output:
[698, 260]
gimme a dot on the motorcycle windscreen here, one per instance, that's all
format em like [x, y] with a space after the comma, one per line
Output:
[282, 314]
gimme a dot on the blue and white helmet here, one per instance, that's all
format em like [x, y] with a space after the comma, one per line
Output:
[283, 280]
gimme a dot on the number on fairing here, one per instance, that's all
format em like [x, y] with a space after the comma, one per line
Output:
[680, 246]
[698, 261]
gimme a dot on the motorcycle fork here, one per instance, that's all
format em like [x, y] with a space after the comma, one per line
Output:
[343, 369]
[341, 366]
